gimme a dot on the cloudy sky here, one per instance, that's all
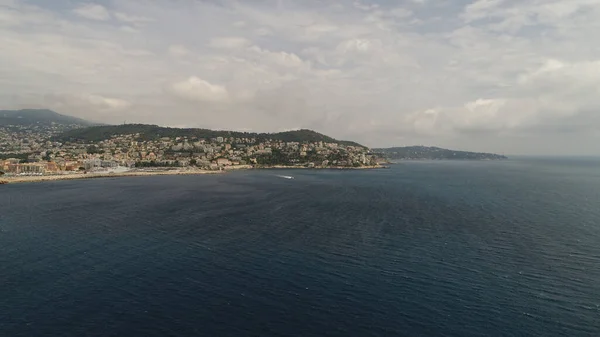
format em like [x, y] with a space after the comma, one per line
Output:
[511, 76]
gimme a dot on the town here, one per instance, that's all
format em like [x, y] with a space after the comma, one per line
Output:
[26, 150]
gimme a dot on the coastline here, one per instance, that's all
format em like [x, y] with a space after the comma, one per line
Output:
[76, 176]
[371, 167]
[32, 179]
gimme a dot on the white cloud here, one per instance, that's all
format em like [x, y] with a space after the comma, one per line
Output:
[481, 9]
[365, 7]
[107, 103]
[476, 74]
[92, 12]
[356, 45]
[197, 89]
[262, 31]
[129, 29]
[317, 31]
[284, 59]
[86, 100]
[401, 12]
[132, 19]
[178, 50]
[92, 107]
[229, 42]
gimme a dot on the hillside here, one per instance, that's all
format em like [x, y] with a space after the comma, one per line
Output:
[434, 153]
[153, 132]
[28, 117]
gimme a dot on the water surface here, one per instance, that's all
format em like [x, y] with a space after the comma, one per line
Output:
[506, 248]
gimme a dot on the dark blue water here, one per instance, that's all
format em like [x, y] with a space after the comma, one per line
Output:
[422, 249]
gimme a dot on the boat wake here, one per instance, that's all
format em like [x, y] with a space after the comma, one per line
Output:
[286, 177]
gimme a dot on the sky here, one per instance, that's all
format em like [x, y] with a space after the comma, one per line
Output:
[505, 76]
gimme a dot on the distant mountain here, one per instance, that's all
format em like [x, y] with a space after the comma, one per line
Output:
[152, 132]
[424, 152]
[29, 117]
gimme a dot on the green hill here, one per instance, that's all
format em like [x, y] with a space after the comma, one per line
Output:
[153, 132]
[27, 117]
[434, 153]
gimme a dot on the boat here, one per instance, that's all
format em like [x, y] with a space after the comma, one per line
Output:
[286, 177]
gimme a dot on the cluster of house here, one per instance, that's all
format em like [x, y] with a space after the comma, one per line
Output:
[17, 167]
[221, 151]
[51, 157]
[14, 166]
[26, 139]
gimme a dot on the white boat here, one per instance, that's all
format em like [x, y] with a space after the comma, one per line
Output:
[286, 177]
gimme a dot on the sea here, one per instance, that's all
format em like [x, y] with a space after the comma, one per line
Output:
[424, 248]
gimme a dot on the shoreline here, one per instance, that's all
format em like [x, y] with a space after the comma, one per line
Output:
[274, 167]
[78, 176]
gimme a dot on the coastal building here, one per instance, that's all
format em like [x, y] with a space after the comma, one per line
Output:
[264, 151]
[223, 162]
[71, 166]
[90, 164]
[52, 167]
[108, 164]
[32, 168]
[11, 168]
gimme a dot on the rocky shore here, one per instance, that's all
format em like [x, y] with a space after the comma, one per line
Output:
[321, 167]
[30, 179]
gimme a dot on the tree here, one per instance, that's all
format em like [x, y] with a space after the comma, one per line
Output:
[193, 162]
[92, 149]
[1, 173]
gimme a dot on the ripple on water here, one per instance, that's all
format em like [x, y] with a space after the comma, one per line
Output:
[422, 249]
